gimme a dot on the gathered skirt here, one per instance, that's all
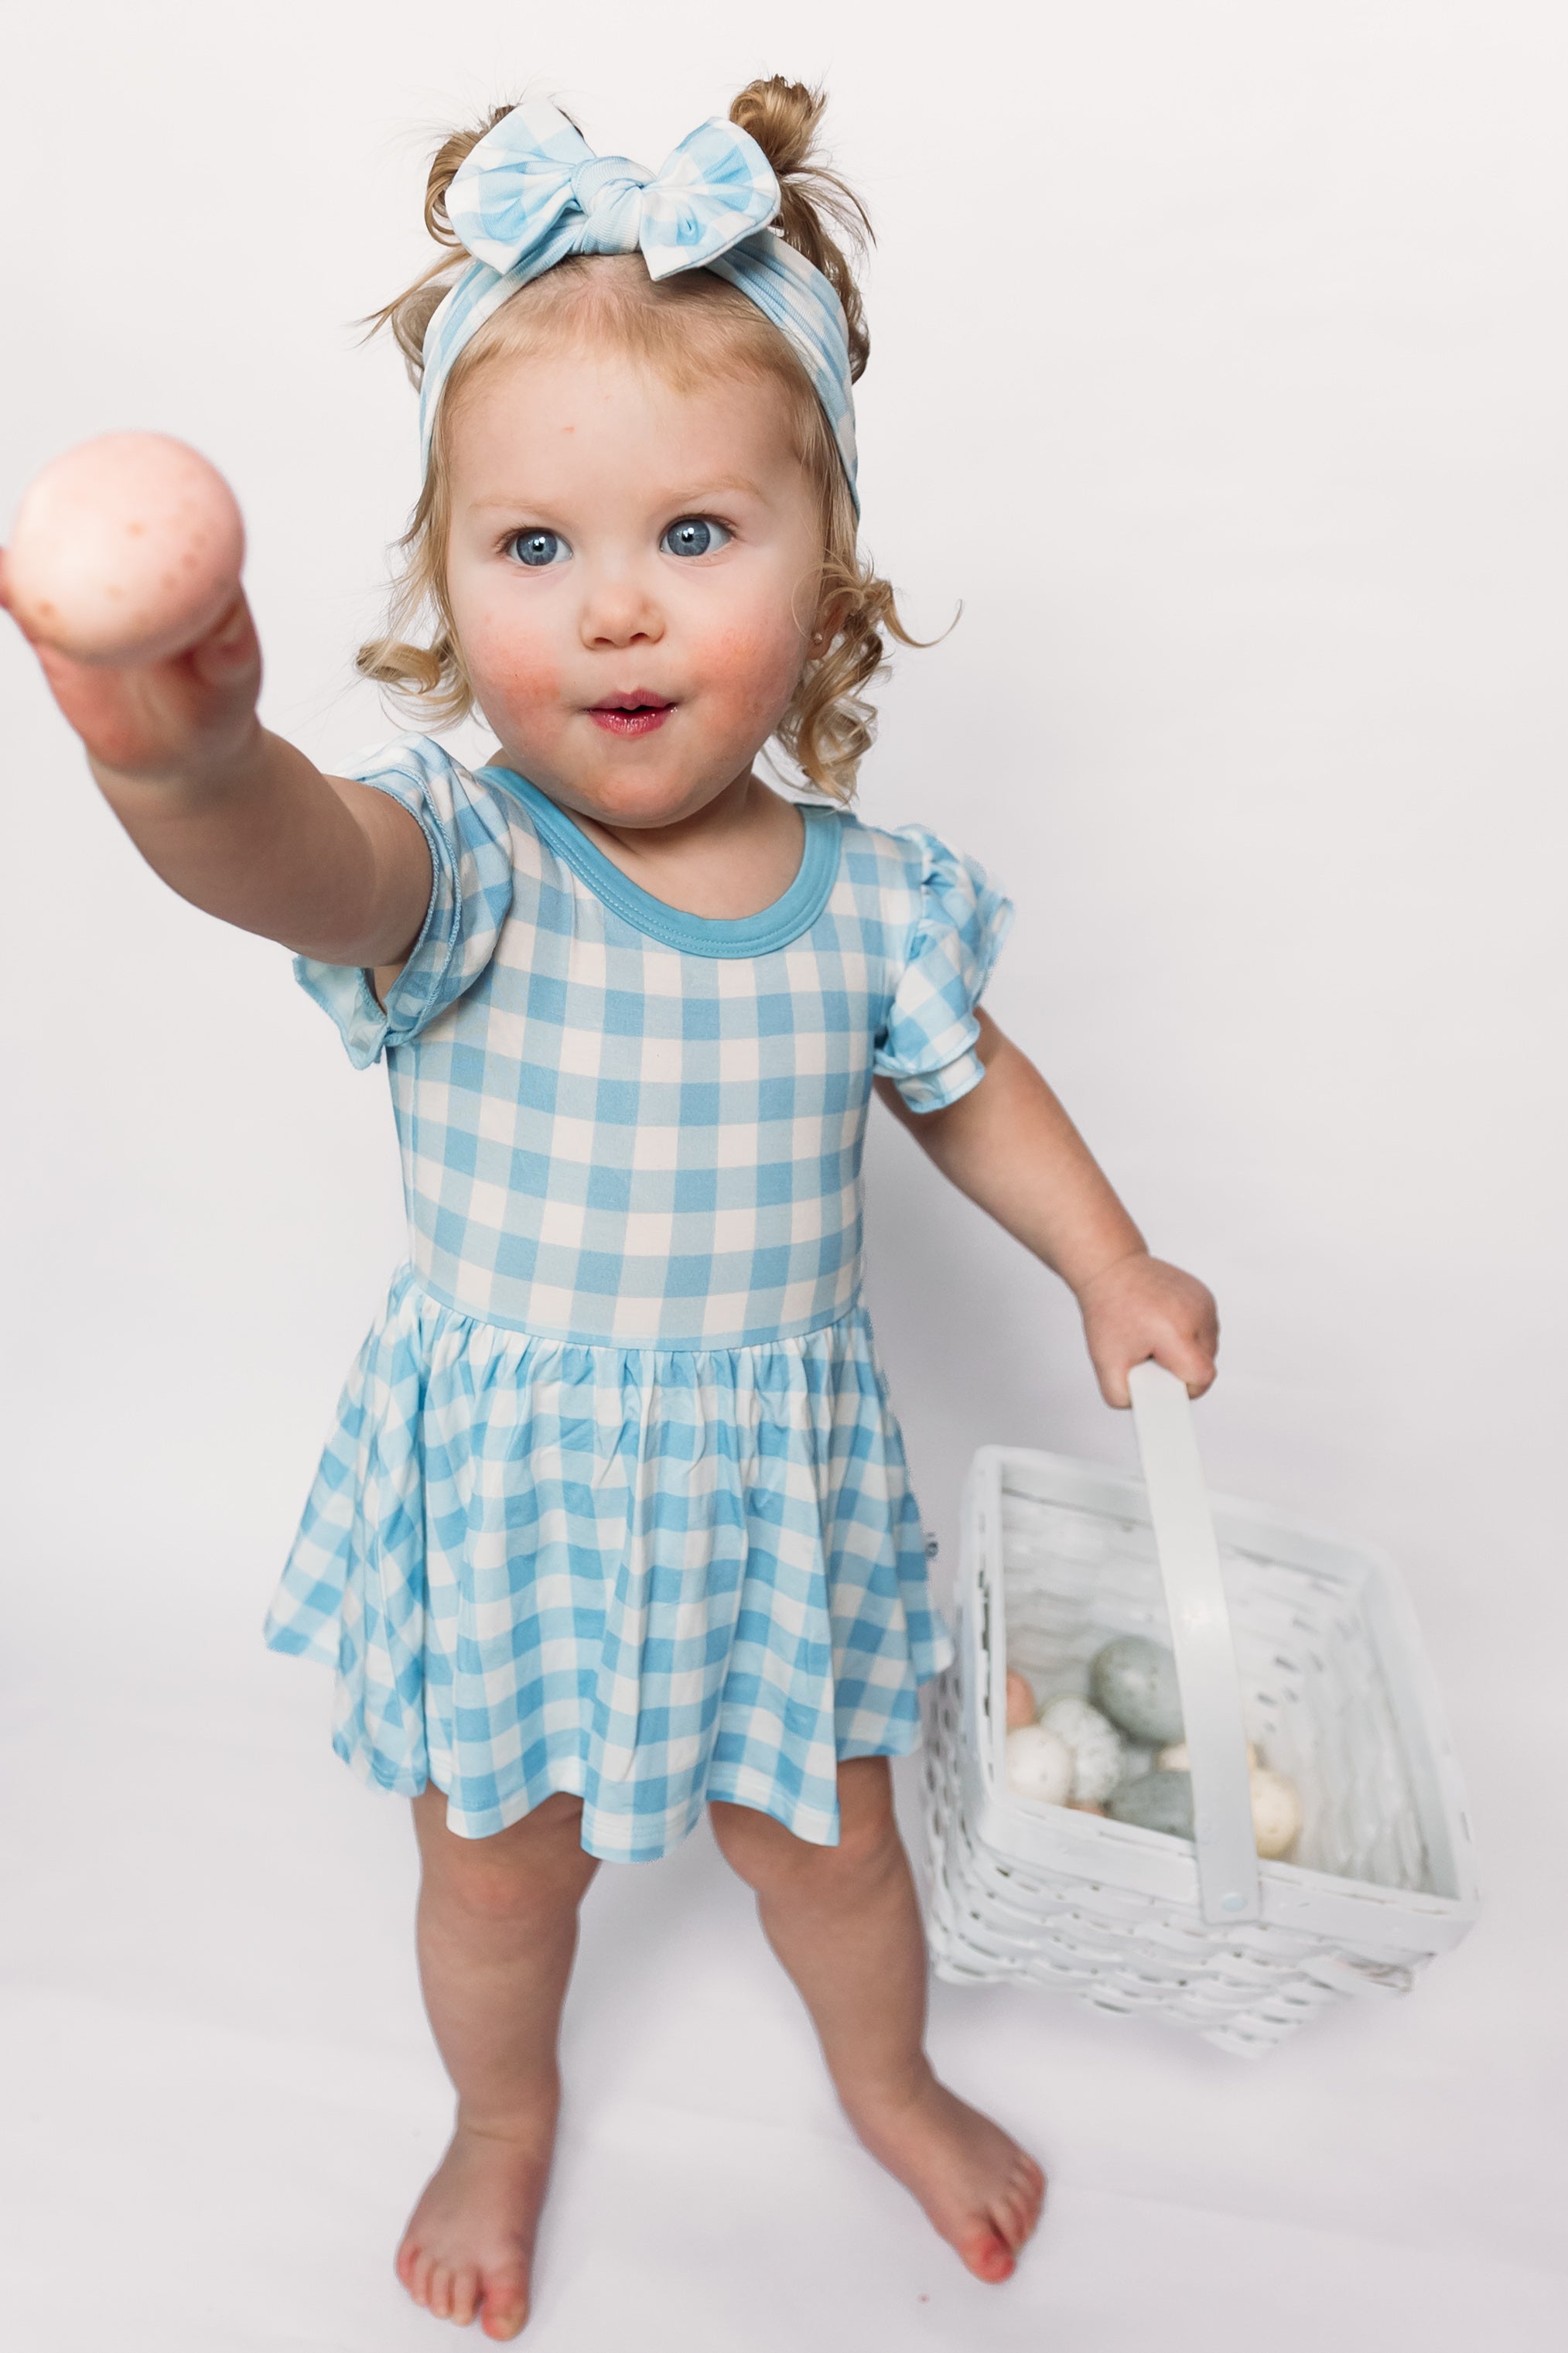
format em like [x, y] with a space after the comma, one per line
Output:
[647, 1577]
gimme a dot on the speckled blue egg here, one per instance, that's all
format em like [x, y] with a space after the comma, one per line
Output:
[1133, 1681]
[1159, 1801]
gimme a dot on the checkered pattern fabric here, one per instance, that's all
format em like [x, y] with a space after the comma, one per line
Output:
[616, 1502]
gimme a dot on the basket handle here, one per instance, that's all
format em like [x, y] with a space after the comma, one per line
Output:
[1200, 1636]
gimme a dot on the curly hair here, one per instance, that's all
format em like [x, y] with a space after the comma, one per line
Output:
[690, 327]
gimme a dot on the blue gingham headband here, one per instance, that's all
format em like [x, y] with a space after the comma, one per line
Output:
[531, 192]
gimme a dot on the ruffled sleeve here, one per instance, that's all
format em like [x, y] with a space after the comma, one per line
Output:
[466, 825]
[928, 1046]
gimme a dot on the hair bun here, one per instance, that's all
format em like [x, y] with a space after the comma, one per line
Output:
[783, 118]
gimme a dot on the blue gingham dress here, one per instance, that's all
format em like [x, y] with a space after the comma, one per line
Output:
[615, 1502]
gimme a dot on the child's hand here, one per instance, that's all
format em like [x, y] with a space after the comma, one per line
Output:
[175, 719]
[1139, 1307]
[124, 575]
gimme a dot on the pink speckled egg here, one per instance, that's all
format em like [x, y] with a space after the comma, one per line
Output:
[126, 550]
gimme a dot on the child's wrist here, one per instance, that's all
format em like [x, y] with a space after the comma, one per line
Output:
[1081, 1283]
[209, 771]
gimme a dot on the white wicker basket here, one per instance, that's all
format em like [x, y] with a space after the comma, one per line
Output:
[1306, 1641]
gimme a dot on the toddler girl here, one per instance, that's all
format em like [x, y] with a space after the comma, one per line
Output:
[615, 1523]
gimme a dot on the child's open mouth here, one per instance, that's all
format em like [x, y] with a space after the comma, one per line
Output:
[631, 714]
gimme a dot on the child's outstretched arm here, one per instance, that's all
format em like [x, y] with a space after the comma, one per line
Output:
[236, 819]
[1009, 1145]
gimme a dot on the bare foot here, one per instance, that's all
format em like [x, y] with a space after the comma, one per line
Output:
[980, 2190]
[468, 2248]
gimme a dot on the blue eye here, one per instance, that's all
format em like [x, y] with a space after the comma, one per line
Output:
[538, 548]
[694, 535]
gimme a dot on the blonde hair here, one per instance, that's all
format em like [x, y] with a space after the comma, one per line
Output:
[690, 327]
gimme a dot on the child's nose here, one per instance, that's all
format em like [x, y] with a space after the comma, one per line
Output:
[620, 610]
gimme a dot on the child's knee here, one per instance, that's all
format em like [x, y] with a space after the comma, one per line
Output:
[537, 1862]
[767, 1856]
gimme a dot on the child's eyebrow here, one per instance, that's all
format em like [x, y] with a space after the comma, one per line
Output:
[716, 489]
[682, 502]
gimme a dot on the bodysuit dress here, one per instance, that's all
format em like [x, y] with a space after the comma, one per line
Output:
[616, 1502]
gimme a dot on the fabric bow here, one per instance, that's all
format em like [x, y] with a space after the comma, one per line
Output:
[531, 192]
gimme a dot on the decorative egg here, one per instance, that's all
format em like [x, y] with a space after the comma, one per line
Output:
[1175, 1760]
[1133, 1680]
[1039, 1765]
[1099, 1758]
[1275, 1814]
[1160, 1801]
[125, 550]
[1020, 1700]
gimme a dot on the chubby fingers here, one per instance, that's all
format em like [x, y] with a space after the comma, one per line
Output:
[1183, 1356]
[1143, 1308]
[1190, 1357]
[230, 645]
[152, 719]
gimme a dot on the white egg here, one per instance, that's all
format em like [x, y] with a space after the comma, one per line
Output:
[1039, 1765]
[125, 550]
[1275, 1814]
[1100, 1753]
[1174, 1759]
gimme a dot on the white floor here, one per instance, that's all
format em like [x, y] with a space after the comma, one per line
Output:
[221, 2099]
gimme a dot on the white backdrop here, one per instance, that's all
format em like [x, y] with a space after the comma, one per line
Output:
[1218, 371]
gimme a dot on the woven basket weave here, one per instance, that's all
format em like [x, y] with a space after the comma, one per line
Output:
[1058, 1556]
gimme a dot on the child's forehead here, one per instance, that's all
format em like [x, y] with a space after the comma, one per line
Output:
[593, 405]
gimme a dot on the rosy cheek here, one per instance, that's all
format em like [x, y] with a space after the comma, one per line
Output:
[754, 665]
[520, 675]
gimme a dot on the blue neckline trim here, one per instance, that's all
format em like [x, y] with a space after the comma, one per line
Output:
[743, 936]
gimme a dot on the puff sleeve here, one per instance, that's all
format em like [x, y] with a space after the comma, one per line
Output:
[927, 1048]
[466, 825]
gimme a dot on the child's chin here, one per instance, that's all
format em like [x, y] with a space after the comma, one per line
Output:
[643, 784]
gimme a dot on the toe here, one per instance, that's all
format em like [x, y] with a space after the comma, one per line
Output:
[1018, 2213]
[987, 2255]
[505, 2303]
[407, 2256]
[1016, 2225]
[465, 2294]
[441, 2292]
[419, 2277]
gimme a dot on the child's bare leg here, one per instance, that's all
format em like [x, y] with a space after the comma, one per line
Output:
[845, 1922]
[497, 1931]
